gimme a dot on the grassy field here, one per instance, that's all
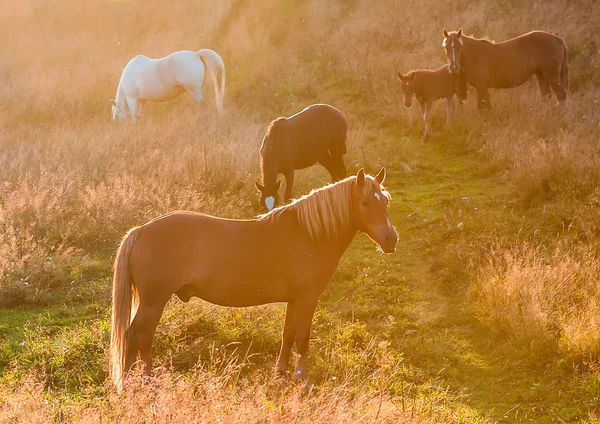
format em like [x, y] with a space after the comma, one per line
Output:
[488, 312]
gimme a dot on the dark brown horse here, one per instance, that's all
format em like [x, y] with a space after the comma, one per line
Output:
[316, 134]
[486, 64]
[287, 255]
[428, 86]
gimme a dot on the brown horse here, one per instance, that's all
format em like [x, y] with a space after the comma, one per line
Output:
[316, 134]
[486, 64]
[287, 255]
[428, 86]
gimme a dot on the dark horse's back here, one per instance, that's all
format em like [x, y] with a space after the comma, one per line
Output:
[315, 132]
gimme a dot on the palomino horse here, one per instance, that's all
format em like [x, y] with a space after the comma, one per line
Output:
[315, 134]
[428, 86]
[487, 64]
[161, 79]
[287, 255]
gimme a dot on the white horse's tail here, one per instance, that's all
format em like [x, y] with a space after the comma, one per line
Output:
[216, 69]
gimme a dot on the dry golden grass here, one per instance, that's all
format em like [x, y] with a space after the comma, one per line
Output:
[547, 301]
[214, 396]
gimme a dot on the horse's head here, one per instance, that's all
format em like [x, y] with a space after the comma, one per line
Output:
[117, 112]
[453, 43]
[407, 87]
[370, 201]
[269, 195]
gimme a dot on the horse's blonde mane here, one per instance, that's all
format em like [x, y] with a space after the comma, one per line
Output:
[326, 211]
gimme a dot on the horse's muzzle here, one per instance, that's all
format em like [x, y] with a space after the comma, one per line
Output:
[389, 242]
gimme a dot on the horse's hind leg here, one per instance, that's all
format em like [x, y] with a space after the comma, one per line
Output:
[287, 339]
[544, 85]
[557, 86]
[141, 333]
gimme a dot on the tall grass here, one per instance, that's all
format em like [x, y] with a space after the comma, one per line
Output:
[545, 301]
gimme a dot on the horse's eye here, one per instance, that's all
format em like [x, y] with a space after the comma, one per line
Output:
[364, 203]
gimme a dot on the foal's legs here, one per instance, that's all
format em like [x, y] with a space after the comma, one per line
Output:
[427, 119]
[141, 333]
[544, 85]
[287, 339]
[289, 184]
[449, 111]
[304, 309]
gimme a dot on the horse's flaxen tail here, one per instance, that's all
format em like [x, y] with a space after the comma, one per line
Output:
[124, 304]
[216, 69]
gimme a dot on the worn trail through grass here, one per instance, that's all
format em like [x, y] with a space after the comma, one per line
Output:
[444, 193]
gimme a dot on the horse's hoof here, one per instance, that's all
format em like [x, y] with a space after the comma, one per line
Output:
[300, 376]
[282, 374]
[149, 381]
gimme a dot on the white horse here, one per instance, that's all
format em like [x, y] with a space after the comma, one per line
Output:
[164, 79]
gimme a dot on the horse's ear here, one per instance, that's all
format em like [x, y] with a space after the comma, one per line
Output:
[411, 76]
[360, 177]
[380, 177]
[445, 33]
[459, 33]
[259, 186]
[278, 185]
[400, 77]
[112, 101]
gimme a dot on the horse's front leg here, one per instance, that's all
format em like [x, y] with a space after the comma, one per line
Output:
[132, 104]
[287, 339]
[289, 184]
[483, 98]
[335, 166]
[196, 95]
[304, 309]
[449, 111]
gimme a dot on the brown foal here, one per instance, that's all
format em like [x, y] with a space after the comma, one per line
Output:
[428, 86]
